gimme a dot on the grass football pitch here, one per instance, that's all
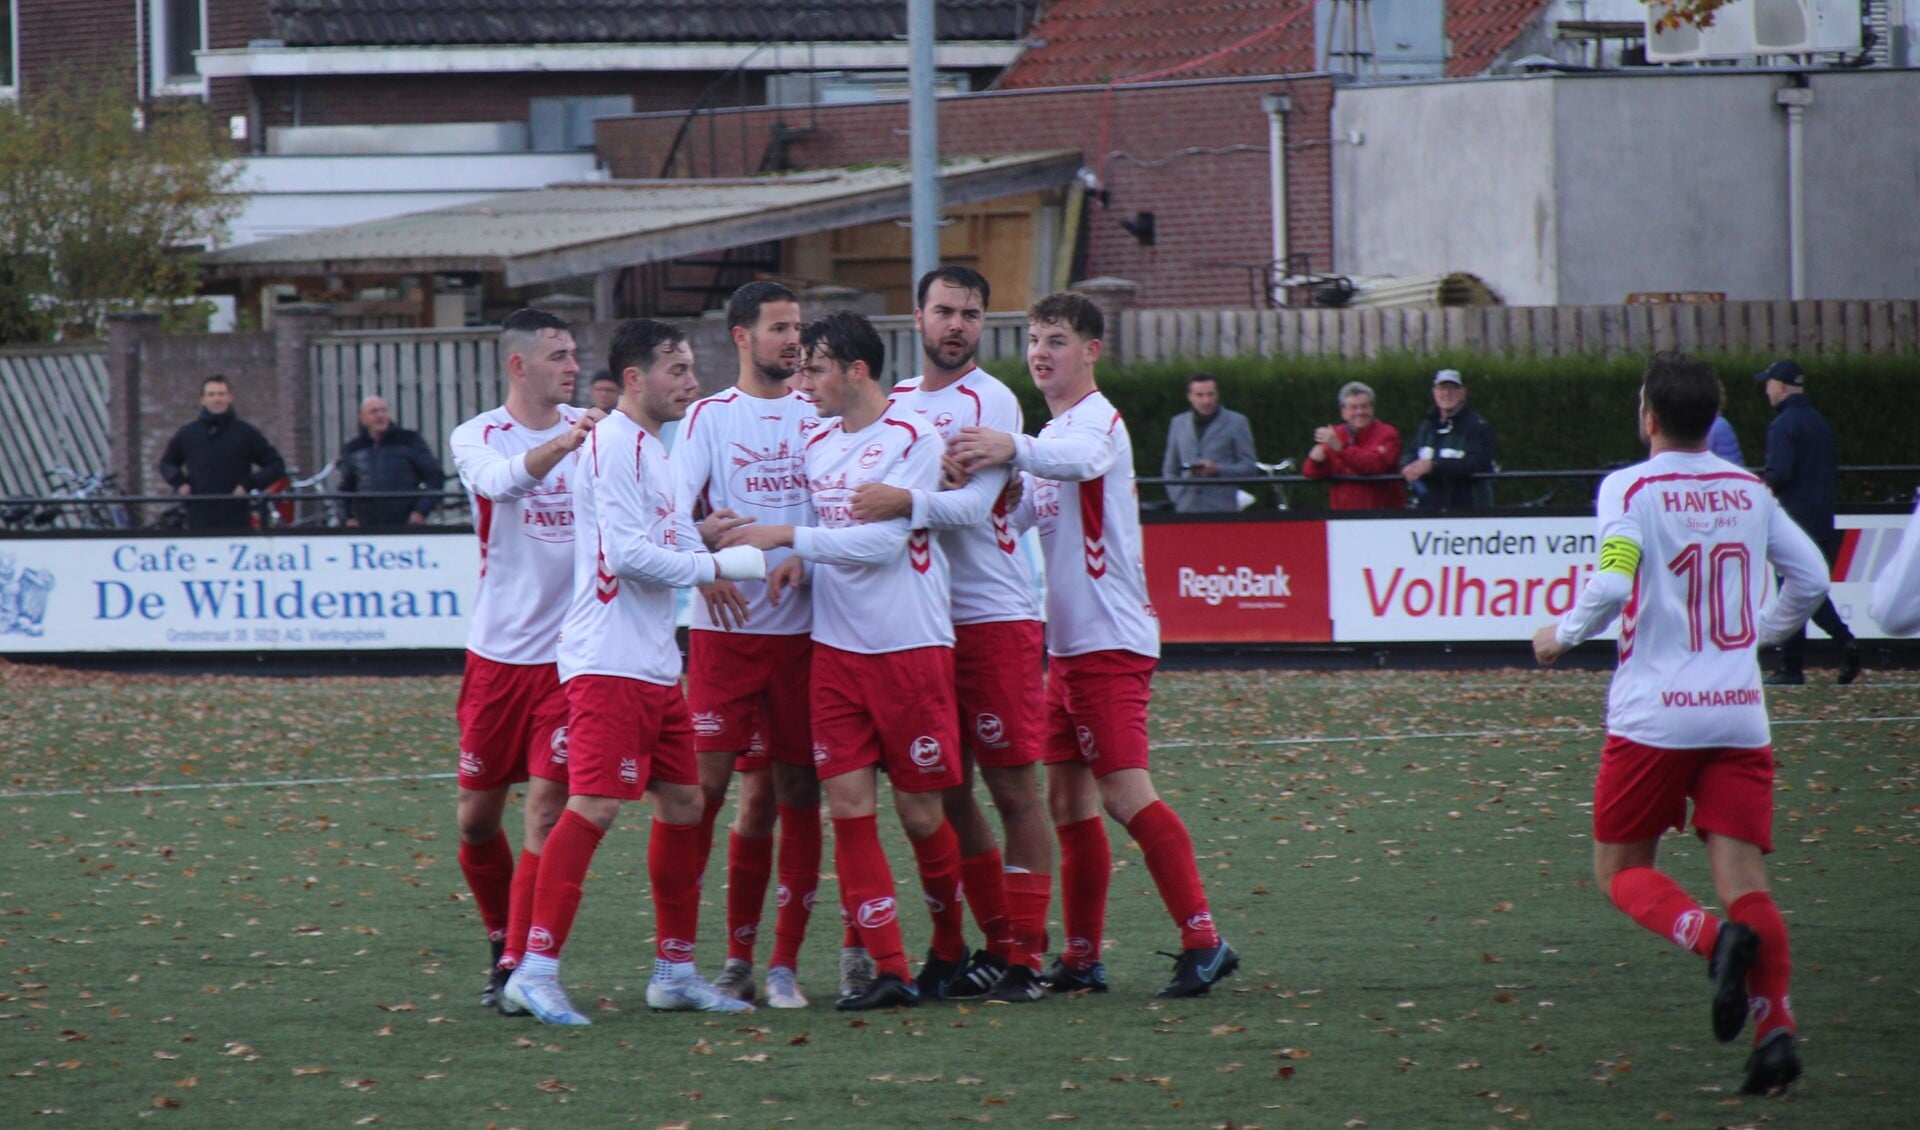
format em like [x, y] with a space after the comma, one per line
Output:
[235, 902]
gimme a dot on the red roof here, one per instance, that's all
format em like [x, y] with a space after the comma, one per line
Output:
[1482, 29]
[1093, 42]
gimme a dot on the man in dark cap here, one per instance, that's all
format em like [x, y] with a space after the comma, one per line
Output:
[1802, 468]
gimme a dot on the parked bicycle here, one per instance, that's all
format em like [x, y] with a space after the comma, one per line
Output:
[293, 503]
[74, 500]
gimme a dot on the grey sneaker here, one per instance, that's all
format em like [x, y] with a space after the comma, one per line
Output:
[736, 979]
[690, 992]
[857, 971]
[543, 997]
[783, 990]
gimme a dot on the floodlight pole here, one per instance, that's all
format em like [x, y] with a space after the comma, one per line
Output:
[923, 127]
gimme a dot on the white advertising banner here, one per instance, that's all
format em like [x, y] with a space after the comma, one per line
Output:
[1458, 579]
[246, 593]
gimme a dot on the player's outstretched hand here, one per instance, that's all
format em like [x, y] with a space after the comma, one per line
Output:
[725, 604]
[759, 537]
[877, 502]
[1547, 646]
[740, 563]
[573, 437]
[981, 447]
[786, 575]
[718, 523]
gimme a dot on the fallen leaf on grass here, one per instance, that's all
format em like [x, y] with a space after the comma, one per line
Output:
[555, 1087]
[310, 1071]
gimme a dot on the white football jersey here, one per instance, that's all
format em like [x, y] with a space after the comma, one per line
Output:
[1895, 603]
[1082, 498]
[1694, 534]
[634, 547]
[878, 587]
[748, 454]
[525, 526]
[990, 578]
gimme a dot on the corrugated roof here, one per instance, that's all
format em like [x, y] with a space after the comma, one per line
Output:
[572, 230]
[1482, 29]
[433, 23]
[1087, 42]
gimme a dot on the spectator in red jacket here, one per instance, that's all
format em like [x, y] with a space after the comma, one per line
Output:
[1361, 446]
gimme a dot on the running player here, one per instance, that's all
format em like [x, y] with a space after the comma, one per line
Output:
[1104, 641]
[1682, 539]
[628, 729]
[883, 647]
[1895, 603]
[741, 453]
[998, 643]
[515, 460]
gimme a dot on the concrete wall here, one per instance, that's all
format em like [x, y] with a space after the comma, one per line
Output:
[1653, 182]
[1450, 176]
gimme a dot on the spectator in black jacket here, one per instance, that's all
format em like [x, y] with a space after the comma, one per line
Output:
[1802, 469]
[1452, 445]
[217, 456]
[384, 458]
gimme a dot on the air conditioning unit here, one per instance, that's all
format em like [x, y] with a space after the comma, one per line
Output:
[1747, 28]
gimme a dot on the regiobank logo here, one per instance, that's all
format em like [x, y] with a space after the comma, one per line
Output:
[1243, 583]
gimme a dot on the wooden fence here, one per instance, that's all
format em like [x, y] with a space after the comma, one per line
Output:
[1801, 329]
[53, 413]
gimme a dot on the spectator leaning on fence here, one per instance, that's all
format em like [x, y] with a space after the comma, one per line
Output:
[216, 456]
[384, 458]
[1207, 443]
[1452, 445]
[1361, 446]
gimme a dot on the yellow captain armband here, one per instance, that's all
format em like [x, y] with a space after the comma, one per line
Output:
[1619, 555]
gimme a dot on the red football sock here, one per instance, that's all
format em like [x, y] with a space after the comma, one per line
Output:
[1086, 866]
[799, 880]
[1657, 902]
[520, 910]
[673, 856]
[563, 867]
[1027, 897]
[1163, 838]
[749, 867]
[983, 885]
[868, 883]
[939, 858]
[1767, 981]
[489, 871]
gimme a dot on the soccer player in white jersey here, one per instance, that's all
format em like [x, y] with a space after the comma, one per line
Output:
[629, 732]
[998, 644]
[1684, 541]
[882, 646]
[1104, 642]
[1895, 603]
[516, 462]
[741, 452]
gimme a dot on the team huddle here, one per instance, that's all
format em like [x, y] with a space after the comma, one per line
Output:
[863, 610]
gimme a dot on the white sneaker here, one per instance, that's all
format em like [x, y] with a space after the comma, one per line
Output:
[736, 979]
[690, 992]
[857, 972]
[543, 997]
[782, 990]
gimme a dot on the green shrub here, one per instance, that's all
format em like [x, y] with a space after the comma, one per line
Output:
[1548, 413]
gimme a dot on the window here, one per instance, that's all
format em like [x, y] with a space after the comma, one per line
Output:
[179, 29]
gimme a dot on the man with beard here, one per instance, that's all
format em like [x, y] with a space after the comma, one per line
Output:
[998, 641]
[741, 453]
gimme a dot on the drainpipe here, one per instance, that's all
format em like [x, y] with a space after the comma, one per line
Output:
[1796, 99]
[1277, 106]
[139, 52]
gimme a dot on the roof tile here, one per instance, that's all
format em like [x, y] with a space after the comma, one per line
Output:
[1481, 30]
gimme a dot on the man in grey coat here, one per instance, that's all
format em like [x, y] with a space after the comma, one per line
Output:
[1207, 443]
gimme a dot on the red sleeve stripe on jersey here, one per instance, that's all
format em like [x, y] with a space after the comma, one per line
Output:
[1113, 423]
[483, 526]
[824, 433]
[911, 431]
[900, 389]
[979, 412]
[640, 456]
[1737, 476]
[693, 416]
[1093, 522]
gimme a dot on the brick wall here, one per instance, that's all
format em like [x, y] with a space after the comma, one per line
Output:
[1194, 154]
[60, 38]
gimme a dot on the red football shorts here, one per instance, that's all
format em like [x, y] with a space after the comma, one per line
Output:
[623, 734]
[997, 679]
[893, 710]
[1097, 710]
[742, 686]
[513, 720]
[1642, 792]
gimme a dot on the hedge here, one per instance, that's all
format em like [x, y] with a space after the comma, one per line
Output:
[1548, 413]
